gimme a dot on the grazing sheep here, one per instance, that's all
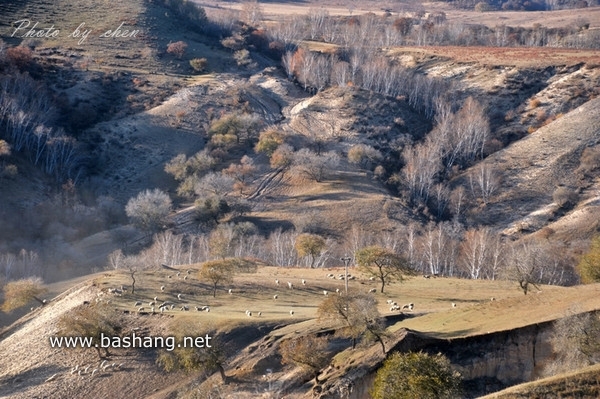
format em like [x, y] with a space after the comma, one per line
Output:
[408, 306]
[151, 303]
[325, 293]
[259, 314]
[337, 290]
[152, 309]
[94, 371]
[290, 285]
[74, 369]
[180, 297]
[189, 272]
[247, 311]
[161, 310]
[351, 278]
[426, 276]
[141, 309]
[105, 368]
[275, 296]
[276, 282]
[169, 276]
[372, 290]
[51, 378]
[291, 312]
[172, 306]
[138, 303]
[389, 301]
[330, 275]
[303, 282]
[493, 299]
[86, 369]
[230, 291]
[155, 298]
[162, 287]
[249, 314]
[394, 307]
[79, 373]
[178, 274]
[207, 309]
[453, 305]
[185, 278]
[197, 308]
[372, 278]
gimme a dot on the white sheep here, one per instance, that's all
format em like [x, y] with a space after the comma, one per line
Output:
[372, 290]
[408, 306]
[207, 309]
[189, 272]
[330, 275]
[155, 298]
[162, 287]
[74, 369]
[259, 314]
[372, 278]
[180, 297]
[169, 276]
[337, 290]
[291, 312]
[178, 274]
[138, 303]
[86, 369]
[51, 378]
[325, 292]
[141, 309]
[94, 371]
[290, 285]
[493, 299]
[275, 296]
[453, 305]
[151, 303]
[303, 282]
[249, 314]
[185, 278]
[276, 282]
[230, 291]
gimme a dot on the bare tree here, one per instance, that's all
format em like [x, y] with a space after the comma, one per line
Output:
[217, 184]
[149, 209]
[313, 166]
[484, 181]
[252, 12]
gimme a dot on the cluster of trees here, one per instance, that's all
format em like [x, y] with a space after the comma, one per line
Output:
[24, 264]
[362, 66]
[443, 249]
[26, 117]
[423, 29]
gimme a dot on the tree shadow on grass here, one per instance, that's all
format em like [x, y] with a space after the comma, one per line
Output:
[13, 384]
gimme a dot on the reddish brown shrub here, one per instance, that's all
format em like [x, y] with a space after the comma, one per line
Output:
[177, 48]
[19, 56]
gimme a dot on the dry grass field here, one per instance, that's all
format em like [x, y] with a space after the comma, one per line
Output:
[475, 314]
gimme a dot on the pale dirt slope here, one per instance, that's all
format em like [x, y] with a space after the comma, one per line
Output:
[533, 167]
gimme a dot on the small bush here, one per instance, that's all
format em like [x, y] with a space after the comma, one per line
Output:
[482, 6]
[416, 375]
[590, 160]
[534, 103]
[177, 49]
[564, 197]
[199, 64]
[19, 56]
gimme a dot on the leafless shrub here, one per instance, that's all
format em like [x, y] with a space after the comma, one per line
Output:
[177, 48]
[565, 197]
[149, 209]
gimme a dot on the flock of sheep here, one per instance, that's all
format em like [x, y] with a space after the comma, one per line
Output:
[180, 304]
